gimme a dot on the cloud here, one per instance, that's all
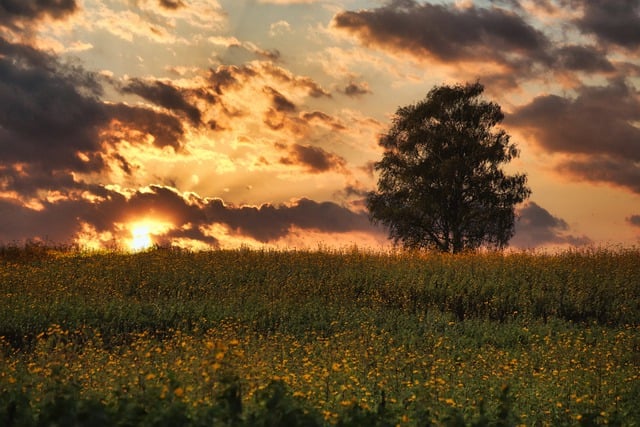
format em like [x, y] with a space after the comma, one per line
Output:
[285, 2]
[189, 217]
[604, 169]
[171, 4]
[139, 21]
[446, 32]
[165, 95]
[615, 22]
[598, 121]
[355, 89]
[583, 58]
[238, 49]
[279, 101]
[323, 119]
[77, 159]
[31, 10]
[134, 124]
[226, 76]
[54, 123]
[263, 89]
[634, 220]
[272, 80]
[279, 28]
[20, 223]
[314, 159]
[536, 227]
[307, 84]
[598, 128]
[504, 46]
[48, 112]
[268, 223]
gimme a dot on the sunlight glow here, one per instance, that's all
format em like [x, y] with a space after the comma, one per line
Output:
[140, 238]
[142, 233]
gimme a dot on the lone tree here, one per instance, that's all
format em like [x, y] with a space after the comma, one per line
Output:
[441, 185]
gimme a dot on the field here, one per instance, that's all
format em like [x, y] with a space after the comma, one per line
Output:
[349, 337]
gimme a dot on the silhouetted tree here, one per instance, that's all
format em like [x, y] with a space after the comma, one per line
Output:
[441, 185]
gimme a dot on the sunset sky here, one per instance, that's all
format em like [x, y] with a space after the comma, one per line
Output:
[215, 124]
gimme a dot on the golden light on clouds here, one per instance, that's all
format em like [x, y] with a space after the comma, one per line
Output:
[225, 123]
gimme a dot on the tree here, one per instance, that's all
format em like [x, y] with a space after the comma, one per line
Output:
[441, 185]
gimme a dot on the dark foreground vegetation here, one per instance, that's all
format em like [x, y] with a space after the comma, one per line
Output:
[243, 337]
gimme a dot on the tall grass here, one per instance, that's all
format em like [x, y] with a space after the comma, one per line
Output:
[296, 292]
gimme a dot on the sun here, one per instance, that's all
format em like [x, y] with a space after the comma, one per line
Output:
[143, 231]
[140, 237]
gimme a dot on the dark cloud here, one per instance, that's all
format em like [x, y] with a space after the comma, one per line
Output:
[269, 223]
[598, 120]
[277, 115]
[29, 180]
[165, 95]
[190, 216]
[314, 159]
[20, 223]
[319, 116]
[613, 21]
[634, 220]
[171, 4]
[535, 227]
[313, 88]
[196, 234]
[279, 101]
[30, 10]
[446, 32]
[354, 89]
[226, 76]
[48, 112]
[583, 58]
[356, 193]
[138, 122]
[53, 122]
[604, 169]
[275, 119]
[597, 126]
[245, 52]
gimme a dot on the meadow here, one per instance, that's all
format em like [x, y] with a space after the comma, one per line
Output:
[327, 337]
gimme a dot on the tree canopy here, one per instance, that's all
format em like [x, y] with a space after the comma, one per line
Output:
[441, 185]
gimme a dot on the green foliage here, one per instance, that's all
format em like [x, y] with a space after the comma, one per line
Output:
[441, 185]
[274, 406]
[295, 292]
[242, 337]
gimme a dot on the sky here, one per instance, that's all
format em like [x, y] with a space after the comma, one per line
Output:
[255, 123]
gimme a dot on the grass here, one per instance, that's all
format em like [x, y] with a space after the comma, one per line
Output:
[327, 337]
